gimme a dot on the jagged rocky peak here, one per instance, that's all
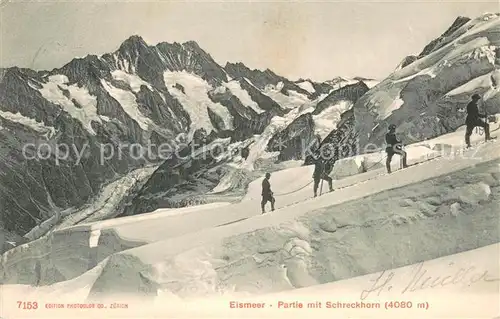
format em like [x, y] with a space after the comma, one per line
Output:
[133, 42]
[336, 81]
[439, 42]
[236, 68]
[134, 55]
[150, 61]
[79, 69]
[132, 47]
[19, 73]
[262, 79]
[270, 73]
[190, 57]
[258, 77]
[190, 46]
[194, 46]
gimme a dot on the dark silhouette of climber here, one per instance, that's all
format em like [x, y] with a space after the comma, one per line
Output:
[267, 194]
[245, 152]
[394, 146]
[322, 169]
[474, 119]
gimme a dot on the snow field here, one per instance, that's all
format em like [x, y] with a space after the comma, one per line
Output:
[243, 95]
[51, 91]
[195, 99]
[292, 187]
[227, 248]
[359, 237]
[443, 300]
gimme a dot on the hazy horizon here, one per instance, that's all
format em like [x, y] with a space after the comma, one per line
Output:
[294, 39]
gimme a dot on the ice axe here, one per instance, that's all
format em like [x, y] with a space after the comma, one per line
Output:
[321, 187]
[401, 157]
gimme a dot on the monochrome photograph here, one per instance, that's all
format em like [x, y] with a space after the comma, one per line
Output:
[253, 159]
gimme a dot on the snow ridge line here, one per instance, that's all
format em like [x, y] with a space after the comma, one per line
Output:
[378, 175]
[381, 174]
[282, 194]
[367, 224]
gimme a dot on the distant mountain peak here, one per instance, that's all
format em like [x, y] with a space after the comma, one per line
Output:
[360, 78]
[192, 44]
[237, 65]
[441, 40]
[133, 41]
[338, 79]
[459, 21]
[136, 38]
[241, 66]
[87, 61]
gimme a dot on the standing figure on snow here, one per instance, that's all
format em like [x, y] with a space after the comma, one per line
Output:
[474, 119]
[267, 194]
[321, 171]
[245, 152]
[394, 146]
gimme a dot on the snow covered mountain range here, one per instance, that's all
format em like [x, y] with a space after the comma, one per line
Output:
[144, 94]
[139, 94]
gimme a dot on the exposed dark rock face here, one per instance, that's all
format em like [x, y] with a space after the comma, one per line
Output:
[17, 95]
[174, 183]
[264, 102]
[425, 111]
[350, 92]
[85, 106]
[102, 106]
[293, 142]
[298, 140]
[149, 62]
[178, 179]
[432, 103]
[342, 141]
[48, 184]
[247, 121]
[319, 88]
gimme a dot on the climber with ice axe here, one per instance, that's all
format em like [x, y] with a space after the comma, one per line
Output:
[474, 119]
[394, 146]
[322, 169]
[267, 194]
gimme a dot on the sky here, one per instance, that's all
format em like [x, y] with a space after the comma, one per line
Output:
[318, 40]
